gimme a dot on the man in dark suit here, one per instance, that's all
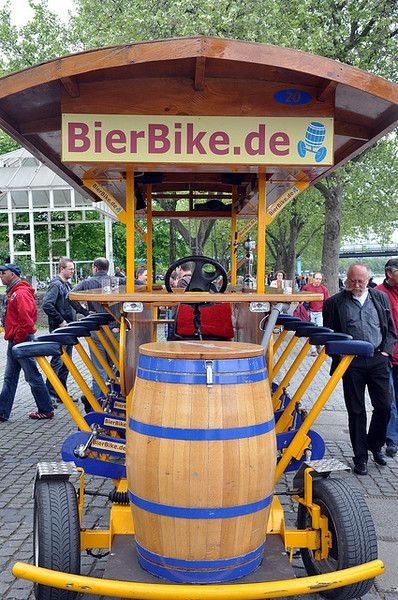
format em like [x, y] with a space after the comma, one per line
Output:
[365, 314]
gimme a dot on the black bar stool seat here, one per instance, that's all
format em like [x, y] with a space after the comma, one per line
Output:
[89, 325]
[77, 330]
[102, 318]
[60, 336]
[296, 325]
[320, 339]
[309, 330]
[282, 319]
[350, 348]
[36, 348]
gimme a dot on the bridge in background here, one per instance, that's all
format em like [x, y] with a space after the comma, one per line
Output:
[368, 250]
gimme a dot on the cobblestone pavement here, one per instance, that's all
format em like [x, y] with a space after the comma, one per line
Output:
[24, 442]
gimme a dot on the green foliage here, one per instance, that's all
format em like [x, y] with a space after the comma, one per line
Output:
[370, 193]
[359, 32]
[42, 38]
[7, 144]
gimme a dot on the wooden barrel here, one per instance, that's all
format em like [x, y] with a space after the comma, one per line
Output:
[201, 456]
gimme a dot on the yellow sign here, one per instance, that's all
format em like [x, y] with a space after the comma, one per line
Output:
[107, 197]
[284, 199]
[108, 445]
[171, 139]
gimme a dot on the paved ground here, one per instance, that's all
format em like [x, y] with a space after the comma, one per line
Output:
[24, 442]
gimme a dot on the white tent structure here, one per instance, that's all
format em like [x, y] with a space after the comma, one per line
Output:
[28, 187]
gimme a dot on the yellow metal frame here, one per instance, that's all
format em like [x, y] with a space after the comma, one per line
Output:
[289, 374]
[240, 591]
[111, 337]
[301, 441]
[283, 421]
[101, 360]
[74, 371]
[317, 539]
[280, 339]
[62, 393]
[319, 522]
[93, 371]
[284, 355]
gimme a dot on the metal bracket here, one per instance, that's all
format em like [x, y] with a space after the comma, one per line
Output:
[209, 372]
[320, 468]
[133, 307]
[54, 470]
[259, 307]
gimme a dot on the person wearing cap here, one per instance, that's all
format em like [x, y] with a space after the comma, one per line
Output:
[19, 315]
[390, 287]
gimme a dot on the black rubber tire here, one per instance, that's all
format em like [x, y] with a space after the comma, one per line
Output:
[56, 534]
[354, 539]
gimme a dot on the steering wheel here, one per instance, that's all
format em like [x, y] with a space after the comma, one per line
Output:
[201, 280]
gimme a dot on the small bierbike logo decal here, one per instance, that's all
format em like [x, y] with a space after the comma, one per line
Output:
[314, 137]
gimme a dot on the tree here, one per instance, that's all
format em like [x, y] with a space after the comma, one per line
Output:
[42, 38]
[7, 144]
[363, 34]
[359, 32]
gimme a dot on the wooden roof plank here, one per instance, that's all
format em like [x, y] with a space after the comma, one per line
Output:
[200, 68]
[214, 48]
[71, 86]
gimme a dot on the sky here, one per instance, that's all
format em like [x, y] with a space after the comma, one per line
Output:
[21, 11]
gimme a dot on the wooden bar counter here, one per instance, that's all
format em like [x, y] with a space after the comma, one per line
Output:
[162, 297]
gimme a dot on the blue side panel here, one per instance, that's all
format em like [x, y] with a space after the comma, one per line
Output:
[93, 466]
[283, 440]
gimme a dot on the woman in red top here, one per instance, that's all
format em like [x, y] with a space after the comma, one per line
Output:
[315, 307]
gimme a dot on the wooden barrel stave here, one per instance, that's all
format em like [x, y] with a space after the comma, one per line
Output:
[220, 472]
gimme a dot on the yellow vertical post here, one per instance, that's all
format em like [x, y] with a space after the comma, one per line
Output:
[130, 205]
[233, 235]
[149, 237]
[261, 212]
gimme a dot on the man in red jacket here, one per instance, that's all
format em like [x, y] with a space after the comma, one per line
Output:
[18, 315]
[390, 287]
[315, 307]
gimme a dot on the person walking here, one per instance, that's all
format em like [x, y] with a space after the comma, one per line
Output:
[19, 315]
[365, 314]
[100, 271]
[315, 306]
[59, 312]
[390, 287]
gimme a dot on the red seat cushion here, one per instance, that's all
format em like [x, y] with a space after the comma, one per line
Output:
[216, 320]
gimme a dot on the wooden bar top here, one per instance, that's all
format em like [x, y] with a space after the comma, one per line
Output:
[162, 297]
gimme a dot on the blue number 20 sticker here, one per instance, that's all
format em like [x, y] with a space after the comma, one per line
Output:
[292, 97]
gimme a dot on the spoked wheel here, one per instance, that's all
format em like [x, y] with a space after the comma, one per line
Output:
[56, 534]
[353, 534]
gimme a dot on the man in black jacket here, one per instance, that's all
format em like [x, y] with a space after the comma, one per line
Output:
[95, 281]
[365, 314]
[59, 312]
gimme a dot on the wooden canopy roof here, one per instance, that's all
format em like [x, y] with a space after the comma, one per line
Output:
[194, 76]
